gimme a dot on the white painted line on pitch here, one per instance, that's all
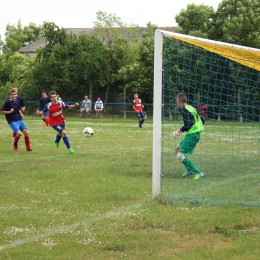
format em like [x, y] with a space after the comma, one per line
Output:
[110, 214]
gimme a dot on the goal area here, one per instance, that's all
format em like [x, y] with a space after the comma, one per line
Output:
[221, 81]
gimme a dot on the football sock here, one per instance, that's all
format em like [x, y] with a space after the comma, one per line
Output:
[16, 139]
[66, 141]
[58, 137]
[27, 142]
[190, 165]
[14, 134]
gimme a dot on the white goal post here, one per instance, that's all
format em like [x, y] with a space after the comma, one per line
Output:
[235, 53]
[157, 114]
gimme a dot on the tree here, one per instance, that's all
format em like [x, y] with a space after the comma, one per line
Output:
[196, 20]
[14, 71]
[91, 62]
[17, 37]
[235, 21]
[138, 76]
[238, 22]
[117, 38]
[69, 63]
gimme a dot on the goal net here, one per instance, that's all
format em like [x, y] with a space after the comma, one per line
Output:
[222, 82]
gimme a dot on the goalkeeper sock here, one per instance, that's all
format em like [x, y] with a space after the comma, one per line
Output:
[190, 165]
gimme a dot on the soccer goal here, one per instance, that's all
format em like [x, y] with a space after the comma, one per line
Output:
[222, 80]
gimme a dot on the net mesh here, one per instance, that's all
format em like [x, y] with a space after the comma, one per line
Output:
[222, 83]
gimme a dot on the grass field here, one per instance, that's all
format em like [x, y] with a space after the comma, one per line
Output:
[96, 203]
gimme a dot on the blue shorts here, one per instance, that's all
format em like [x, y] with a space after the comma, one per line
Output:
[18, 125]
[47, 113]
[59, 128]
[140, 114]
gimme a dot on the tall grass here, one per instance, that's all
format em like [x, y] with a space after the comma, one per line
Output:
[96, 203]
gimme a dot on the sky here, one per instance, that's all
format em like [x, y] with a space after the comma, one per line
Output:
[82, 13]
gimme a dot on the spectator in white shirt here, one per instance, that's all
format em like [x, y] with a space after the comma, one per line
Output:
[98, 107]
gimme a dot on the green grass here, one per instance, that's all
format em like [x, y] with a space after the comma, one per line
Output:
[96, 203]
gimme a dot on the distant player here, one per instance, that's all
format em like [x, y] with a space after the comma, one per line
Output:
[14, 116]
[21, 106]
[44, 100]
[138, 109]
[57, 119]
[193, 126]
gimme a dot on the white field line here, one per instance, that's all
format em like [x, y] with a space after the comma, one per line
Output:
[33, 238]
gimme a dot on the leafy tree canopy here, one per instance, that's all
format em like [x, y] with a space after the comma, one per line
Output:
[17, 36]
[234, 21]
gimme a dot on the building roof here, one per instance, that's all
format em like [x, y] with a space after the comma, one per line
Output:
[31, 48]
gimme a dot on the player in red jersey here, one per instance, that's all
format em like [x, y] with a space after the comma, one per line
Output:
[57, 119]
[138, 108]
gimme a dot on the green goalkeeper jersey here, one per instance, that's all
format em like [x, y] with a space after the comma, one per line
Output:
[192, 121]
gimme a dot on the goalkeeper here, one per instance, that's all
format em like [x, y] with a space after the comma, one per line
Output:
[193, 125]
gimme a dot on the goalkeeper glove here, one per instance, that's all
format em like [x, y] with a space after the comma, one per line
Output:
[176, 133]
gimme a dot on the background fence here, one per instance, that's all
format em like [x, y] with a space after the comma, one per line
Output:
[125, 110]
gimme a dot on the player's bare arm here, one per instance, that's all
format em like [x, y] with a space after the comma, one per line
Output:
[72, 106]
[5, 112]
[38, 112]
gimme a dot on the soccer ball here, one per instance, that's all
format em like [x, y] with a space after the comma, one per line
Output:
[88, 132]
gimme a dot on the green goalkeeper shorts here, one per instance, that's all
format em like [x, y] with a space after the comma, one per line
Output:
[188, 144]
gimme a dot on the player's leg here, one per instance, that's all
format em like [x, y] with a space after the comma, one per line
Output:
[43, 119]
[66, 141]
[17, 134]
[139, 119]
[62, 134]
[142, 118]
[46, 121]
[46, 116]
[27, 141]
[13, 137]
[188, 171]
[187, 146]
[187, 163]
[59, 129]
